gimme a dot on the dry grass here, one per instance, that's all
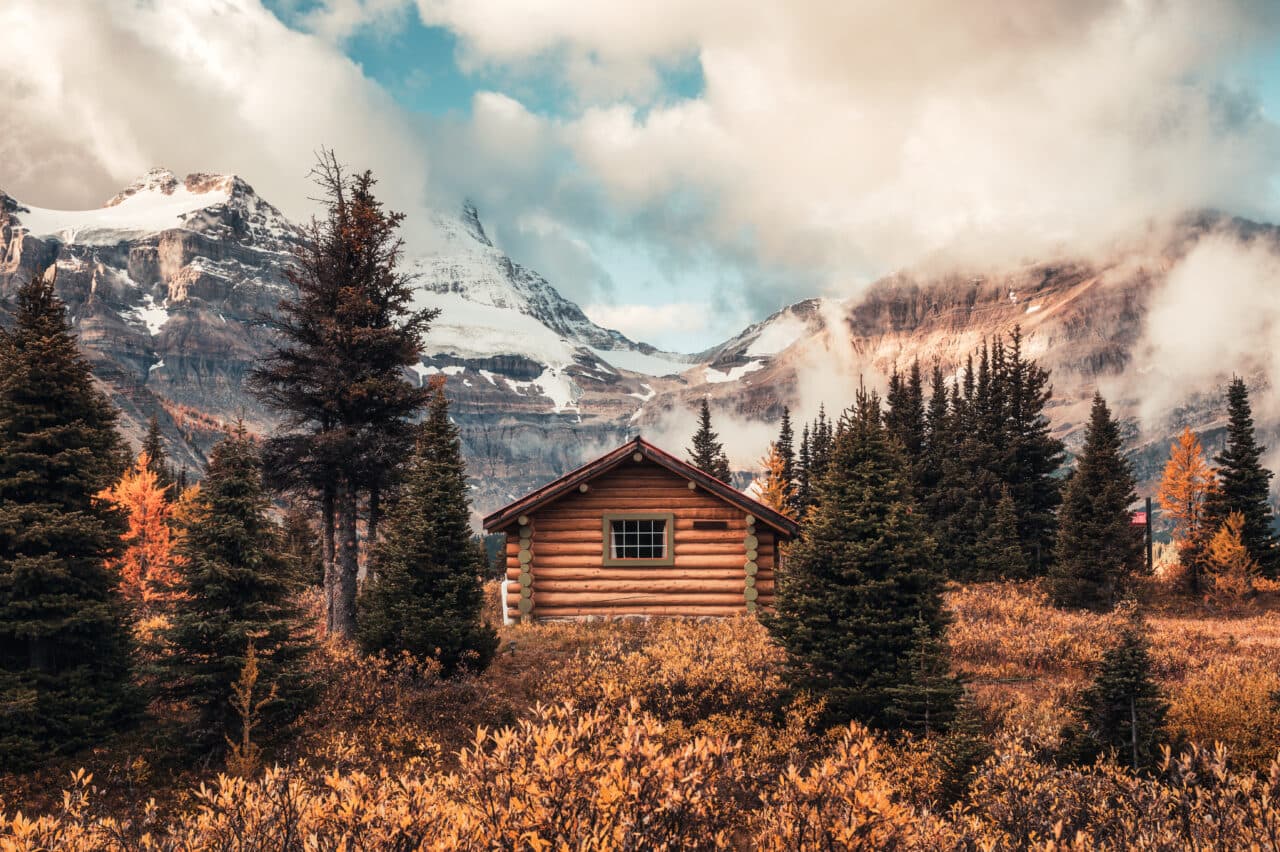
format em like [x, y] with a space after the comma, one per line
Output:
[579, 732]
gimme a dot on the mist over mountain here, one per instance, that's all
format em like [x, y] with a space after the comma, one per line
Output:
[167, 283]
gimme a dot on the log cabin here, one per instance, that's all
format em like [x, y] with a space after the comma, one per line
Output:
[638, 532]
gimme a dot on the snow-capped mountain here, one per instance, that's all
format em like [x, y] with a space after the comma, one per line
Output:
[167, 281]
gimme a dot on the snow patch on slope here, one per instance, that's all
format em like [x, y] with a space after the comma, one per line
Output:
[778, 335]
[134, 216]
[639, 362]
[715, 377]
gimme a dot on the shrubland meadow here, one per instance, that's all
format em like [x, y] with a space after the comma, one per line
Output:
[302, 647]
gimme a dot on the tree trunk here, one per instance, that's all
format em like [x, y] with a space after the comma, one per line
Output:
[330, 568]
[375, 514]
[348, 564]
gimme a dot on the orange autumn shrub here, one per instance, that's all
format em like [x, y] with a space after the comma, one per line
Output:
[1008, 630]
[1233, 703]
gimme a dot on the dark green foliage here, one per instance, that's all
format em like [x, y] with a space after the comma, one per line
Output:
[925, 700]
[860, 579]
[707, 453]
[339, 376]
[425, 595]
[1244, 485]
[804, 480]
[1122, 710]
[998, 554]
[989, 435]
[1098, 549]
[64, 652]
[787, 452]
[239, 588]
[301, 545]
[158, 459]
[961, 751]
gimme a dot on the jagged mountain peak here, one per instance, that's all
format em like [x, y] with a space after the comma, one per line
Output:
[471, 221]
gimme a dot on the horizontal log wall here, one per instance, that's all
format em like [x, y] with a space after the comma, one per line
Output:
[708, 577]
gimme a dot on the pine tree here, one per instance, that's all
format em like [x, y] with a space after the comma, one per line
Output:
[860, 579]
[707, 453]
[1123, 710]
[425, 595]
[1185, 490]
[157, 459]
[1098, 549]
[1244, 485]
[805, 480]
[1033, 457]
[905, 420]
[928, 694]
[776, 491]
[238, 590]
[301, 547]
[339, 378]
[787, 453]
[999, 551]
[146, 569]
[64, 647]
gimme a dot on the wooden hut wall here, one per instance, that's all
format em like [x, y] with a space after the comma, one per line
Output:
[563, 565]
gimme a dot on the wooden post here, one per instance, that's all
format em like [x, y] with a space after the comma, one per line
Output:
[525, 557]
[750, 546]
[1151, 566]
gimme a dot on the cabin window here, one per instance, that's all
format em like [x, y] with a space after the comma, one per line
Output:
[638, 539]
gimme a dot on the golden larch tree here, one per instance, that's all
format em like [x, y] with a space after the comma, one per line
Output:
[1188, 482]
[146, 568]
[776, 491]
[1232, 566]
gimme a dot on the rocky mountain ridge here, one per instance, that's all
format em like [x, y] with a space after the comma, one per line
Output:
[167, 282]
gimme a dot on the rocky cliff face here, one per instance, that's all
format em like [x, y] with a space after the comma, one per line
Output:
[165, 284]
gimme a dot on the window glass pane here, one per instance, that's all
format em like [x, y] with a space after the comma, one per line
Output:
[638, 538]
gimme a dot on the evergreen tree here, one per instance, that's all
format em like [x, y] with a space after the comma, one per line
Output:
[821, 439]
[1244, 485]
[64, 649]
[157, 459]
[928, 694]
[707, 453]
[301, 546]
[804, 464]
[860, 579]
[906, 422]
[238, 590]
[425, 595]
[999, 551]
[1098, 549]
[1032, 456]
[1122, 710]
[339, 378]
[785, 446]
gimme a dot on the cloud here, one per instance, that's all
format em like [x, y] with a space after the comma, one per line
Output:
[857, 138]
[651, 322]
[96, 93]
[1216, 315]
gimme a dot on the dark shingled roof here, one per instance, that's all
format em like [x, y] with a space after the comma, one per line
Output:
[566, 484]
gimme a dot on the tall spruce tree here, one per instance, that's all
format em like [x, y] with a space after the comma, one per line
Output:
[860, 580]
[425, 594]
[707, 453]
[928, 696]
[906, 422]
[998, 553]
[339, 377]
[1244, 485]
[1098, 550]
[785, 445]
[804, 477]
[1123, 710]
[157, 458]
[1032, 456]
[64, 649]
[238, 589]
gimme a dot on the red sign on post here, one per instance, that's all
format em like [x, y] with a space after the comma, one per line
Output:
[1139, 519]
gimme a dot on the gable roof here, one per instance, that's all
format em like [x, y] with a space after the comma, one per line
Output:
[570, 481]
